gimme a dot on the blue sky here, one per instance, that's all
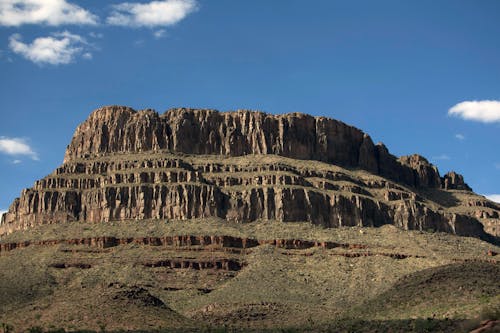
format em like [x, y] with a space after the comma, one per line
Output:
[421, 76]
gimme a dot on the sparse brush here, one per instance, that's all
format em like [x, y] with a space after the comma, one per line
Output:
[6, 328]
[490, 312]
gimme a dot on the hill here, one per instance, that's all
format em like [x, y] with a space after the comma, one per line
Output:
[197, 219]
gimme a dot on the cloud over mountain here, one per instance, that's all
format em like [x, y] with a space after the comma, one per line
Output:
[493, 197]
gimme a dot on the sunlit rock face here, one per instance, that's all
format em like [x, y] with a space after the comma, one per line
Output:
[241, 166]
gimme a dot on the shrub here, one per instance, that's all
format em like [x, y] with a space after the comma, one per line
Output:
[491, 312]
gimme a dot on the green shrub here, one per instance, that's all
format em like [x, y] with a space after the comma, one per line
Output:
[425, 325]
[6, 328]
[35, 329]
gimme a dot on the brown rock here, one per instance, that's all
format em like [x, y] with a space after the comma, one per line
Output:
[454, 181]
[425, 174]
[124, 165]
[492, 253]
[201, 131]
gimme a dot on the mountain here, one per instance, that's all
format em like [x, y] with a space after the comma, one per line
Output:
[244, 166]
[244, 219]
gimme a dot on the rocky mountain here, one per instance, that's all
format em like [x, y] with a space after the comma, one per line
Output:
[207, 221]
[245, 166]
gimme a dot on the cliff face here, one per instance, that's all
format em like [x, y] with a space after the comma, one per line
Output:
[209, 132]
[240, 166]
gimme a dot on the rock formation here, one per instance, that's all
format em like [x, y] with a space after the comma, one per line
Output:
[243, 166]
[209, 132]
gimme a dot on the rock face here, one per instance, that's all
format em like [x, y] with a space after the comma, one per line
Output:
[240, 166]
[455, 181]
[209, 132]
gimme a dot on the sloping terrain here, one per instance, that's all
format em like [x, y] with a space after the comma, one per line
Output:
[200, 220]
[261, 275]
[439, 291]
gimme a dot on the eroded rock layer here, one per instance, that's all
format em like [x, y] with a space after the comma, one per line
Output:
[209, 132]
[244, 166]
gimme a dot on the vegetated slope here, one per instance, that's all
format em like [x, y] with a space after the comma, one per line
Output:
[440, 291]
[260, 275]
[196, 219]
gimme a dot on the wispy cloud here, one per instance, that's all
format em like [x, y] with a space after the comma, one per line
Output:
[50, 12]
[152, 14]
[442, 157]
[483, 111]
[60, 48]
[497, 166]
[17, 147]
[139, 43]
[96, 34]
[4, 56]
[460, 137]
[493, 197]
[159, 33]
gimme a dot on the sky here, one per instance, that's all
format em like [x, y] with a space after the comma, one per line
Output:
[420, 76]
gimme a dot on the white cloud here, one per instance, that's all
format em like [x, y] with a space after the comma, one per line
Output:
[50, 12]
[483, 111]
[460, 137]
[87, 55]
[60, 48]
[159, 33]
[16, 147]
[152, 14]
[493, 197]
[16, 161]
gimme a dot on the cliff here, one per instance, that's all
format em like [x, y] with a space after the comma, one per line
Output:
[244, 166]
[209, 132]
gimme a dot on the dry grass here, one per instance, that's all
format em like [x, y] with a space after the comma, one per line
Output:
[276, 288]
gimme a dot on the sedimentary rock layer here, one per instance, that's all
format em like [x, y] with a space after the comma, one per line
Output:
[244, 166]
[207, 132]
[212, 242]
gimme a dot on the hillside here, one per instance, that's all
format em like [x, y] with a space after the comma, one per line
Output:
[192, 275]
[199, 220]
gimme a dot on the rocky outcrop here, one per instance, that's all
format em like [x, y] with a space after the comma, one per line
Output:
[190, 131]
[209, 132]
[182, 241]
[454, 181]
[214, 244]
[223, 263]
[239, 166]
[424, 173]
[63, 265]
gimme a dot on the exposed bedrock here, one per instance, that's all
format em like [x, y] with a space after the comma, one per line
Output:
[242, 166]
[329, 201]
[202, 131]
